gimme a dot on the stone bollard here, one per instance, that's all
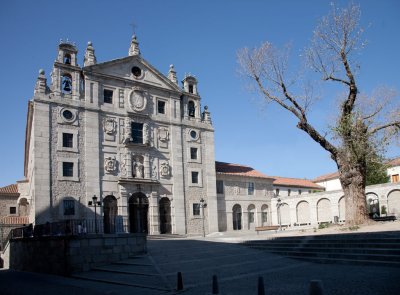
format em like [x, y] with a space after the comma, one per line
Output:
[316, 288]
[215, 285]
[260, 286]
[179, 283]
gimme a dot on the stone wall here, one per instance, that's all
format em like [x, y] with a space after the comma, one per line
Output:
[65, 255]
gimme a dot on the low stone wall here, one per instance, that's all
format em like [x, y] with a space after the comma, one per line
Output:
[65, 255]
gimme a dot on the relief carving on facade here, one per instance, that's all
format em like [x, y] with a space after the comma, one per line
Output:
[123, 163]
[110, 164]
[137, 99]
[165, 169]
[163, 134]
[109, 126]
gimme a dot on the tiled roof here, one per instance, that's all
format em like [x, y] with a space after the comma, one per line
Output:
[9, 189]
[326, 177]
[296, 182]
[239, 170]
[394, 162]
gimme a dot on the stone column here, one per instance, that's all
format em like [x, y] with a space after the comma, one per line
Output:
[147, 167]
[154, 224]
[128, 161]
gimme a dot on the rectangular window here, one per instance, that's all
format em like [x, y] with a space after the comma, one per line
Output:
[68, 169]
[13, 210]
[193, 153]
[69, 207]
[195, 177]
[220, 187]
[196, 209]
[299, 191]
[250, 188]
[277, 192]
[288, 192]
[161, 107]
[395, 178]
[68, 140]
[108, 96]
[137, 132]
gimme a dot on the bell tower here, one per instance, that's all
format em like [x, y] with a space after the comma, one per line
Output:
[65, 77]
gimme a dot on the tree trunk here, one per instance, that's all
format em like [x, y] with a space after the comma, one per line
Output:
[353, 184]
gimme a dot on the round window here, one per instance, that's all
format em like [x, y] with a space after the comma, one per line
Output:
[193, 134]
[67, 115]
[136, 71]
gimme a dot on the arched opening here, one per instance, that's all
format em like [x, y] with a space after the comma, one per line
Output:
[138, 213]
[264, 215]
[394, 203]
[285, 214]
[303, 213]
[66, 84]
[342, 209]
[165, 216]
[67, 59]
[324, 210]
[372, 205]
[237, 217]
[191, 108]
[23, 207]
[190, 88]
[110, 214]
[251, 216]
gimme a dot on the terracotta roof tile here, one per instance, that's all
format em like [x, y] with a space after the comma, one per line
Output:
[9, 189]
[296, 182]
[239, 170]
[394, 162]
[325, 177]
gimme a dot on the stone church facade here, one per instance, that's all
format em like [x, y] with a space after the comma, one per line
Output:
[122, 143]
[125, 133]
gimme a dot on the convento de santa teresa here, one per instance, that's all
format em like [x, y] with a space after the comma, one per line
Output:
[132, 147]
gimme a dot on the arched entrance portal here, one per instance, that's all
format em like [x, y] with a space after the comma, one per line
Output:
[372, 205]
[138, 211]
[237, 217]
[165, 216]
[110, 213]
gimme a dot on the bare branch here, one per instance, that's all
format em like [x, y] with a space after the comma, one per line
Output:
[385, 126]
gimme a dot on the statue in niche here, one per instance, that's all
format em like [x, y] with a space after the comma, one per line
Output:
[138, 168]
[164, 169]
[109, 126]
[110, 164]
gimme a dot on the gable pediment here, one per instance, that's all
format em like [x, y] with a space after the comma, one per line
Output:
[127, 68]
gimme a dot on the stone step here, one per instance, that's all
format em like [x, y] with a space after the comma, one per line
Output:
[326, 246]
[346, 261]
[335, 255]
[394, 252]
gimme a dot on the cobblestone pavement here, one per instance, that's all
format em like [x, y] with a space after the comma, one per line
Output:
[238, 268]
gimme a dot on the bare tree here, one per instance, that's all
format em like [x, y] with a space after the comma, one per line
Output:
[364, 123]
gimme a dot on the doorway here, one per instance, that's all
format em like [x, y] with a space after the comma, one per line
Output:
[138, 213]
[237, 217]
[110, 213]
[165, 216]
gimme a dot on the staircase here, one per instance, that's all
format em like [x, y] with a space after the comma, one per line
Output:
[363, 248]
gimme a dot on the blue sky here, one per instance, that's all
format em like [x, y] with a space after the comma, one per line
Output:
[200, 37]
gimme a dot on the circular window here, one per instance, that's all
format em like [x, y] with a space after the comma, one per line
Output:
[67, 114]
[136, 71]
[193, 134]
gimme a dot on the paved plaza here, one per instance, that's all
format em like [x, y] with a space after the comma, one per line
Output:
[237, 268]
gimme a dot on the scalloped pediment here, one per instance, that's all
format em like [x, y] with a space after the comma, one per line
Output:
[122, 68]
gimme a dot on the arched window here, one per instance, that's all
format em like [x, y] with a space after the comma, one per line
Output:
[66, 84]
[190, 88]
[67, 59]
[191, 109]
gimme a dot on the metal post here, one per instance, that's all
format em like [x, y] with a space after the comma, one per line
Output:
[202, 206]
